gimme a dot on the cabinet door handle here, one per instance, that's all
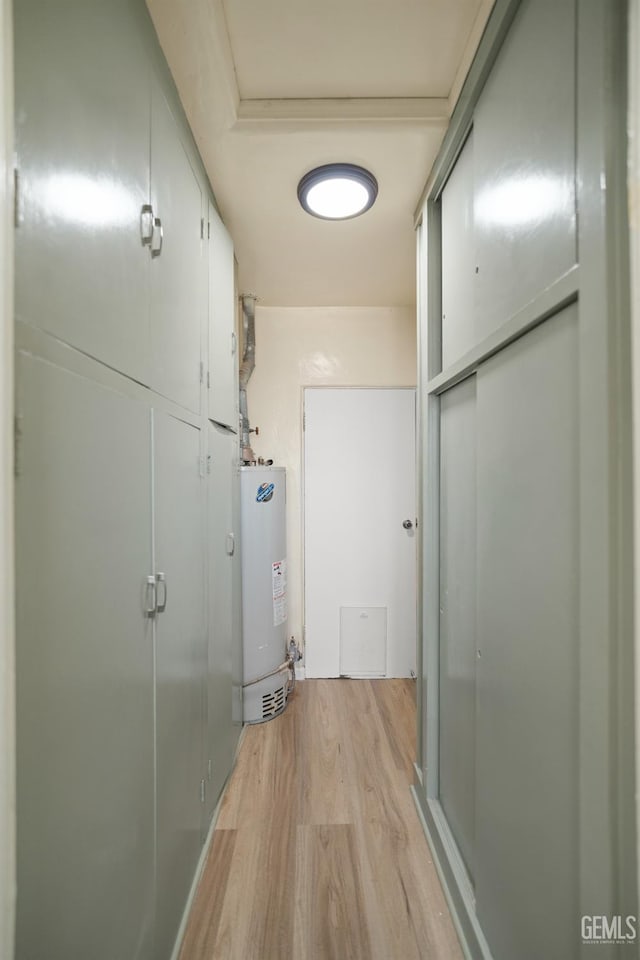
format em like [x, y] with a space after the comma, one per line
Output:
[146, 224]
[162, 582]
[231, 544]
[234, 343]
[157, 238]
[151, 597]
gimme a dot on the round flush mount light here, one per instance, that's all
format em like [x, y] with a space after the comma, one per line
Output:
[337, 191]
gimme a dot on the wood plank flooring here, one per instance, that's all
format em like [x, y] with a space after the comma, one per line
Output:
[318, 853]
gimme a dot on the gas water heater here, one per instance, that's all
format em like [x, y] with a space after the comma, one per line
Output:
[268, 672]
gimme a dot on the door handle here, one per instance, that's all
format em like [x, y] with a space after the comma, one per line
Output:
[151, 597]
[146, 223]
[407, 524]
[161, 580]
[231, 544]
[157, 237]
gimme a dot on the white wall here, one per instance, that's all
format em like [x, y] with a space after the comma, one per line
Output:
[7, 721]
[300, 347]
[634, 223]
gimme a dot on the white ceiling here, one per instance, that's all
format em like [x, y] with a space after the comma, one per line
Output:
[274, 89]
[347, 48]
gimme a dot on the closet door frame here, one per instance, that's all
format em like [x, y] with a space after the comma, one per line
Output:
[600, 281]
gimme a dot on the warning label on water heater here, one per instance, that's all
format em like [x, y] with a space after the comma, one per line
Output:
[279, 584]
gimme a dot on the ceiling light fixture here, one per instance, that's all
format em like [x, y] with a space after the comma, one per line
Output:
[337, 191]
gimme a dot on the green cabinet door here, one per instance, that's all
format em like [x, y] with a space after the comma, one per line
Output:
[180, 645]
[223, 360]
[178, 266]
[237, 665]
[84, 670]
[82, 144]
[221, 545]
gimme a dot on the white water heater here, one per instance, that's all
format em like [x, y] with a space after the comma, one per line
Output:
[264, 592]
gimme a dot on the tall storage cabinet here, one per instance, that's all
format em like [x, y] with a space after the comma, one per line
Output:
[526, 781]
[126, 668]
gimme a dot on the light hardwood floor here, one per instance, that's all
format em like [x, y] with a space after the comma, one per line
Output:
[318, 853]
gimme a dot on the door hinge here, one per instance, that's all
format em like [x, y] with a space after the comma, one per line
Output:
[18, 211]
[208, 230]
[202, 228]
[201, 372]
[17, 437]
[208, 380]
[304, 422]
[201, 465]
[209, 766]
[203, 789]
[209, 459]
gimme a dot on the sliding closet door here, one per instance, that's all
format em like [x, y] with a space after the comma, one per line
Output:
[528, 650]
[458, 602]
[84, 669]
[527, 783]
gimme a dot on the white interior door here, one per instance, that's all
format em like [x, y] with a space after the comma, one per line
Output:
[360, 561]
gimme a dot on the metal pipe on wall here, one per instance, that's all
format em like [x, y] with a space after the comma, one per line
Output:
[246, 369]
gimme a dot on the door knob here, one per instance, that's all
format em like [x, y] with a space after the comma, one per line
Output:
[407, 524]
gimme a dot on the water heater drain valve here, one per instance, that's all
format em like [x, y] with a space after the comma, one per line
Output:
[294, 652]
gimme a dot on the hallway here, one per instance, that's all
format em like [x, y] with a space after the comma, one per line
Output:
[171, 298]
[318, 852]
